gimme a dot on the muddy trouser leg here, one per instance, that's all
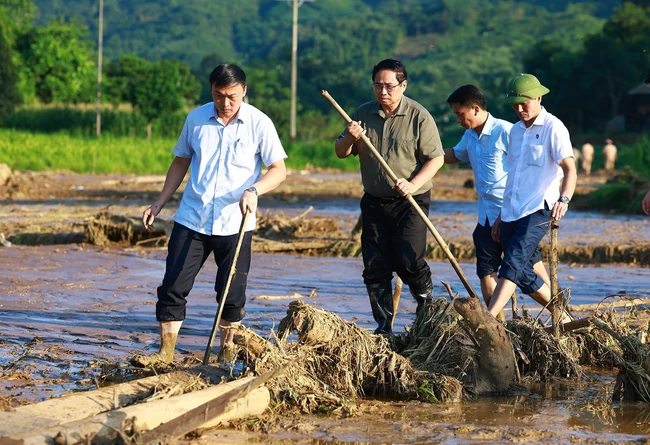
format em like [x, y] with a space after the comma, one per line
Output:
[376, 250]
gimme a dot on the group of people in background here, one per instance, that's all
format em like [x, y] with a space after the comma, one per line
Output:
[610, 155]
[525, 175]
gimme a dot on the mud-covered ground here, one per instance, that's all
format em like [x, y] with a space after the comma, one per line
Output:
[66, 310]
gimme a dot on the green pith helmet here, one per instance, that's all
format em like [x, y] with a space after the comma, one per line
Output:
[522, 88]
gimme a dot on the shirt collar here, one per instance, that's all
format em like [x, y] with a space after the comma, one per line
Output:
[539, 120]
[489, 124]
[242, 116]
[401, 108]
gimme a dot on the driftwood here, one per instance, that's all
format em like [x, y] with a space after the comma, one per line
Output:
[496, 366]
[210, 410]
[117, 425]
[571, 325]
[78, 406]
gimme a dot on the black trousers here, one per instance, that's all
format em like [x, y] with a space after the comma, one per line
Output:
[394, 238]
[186, 253]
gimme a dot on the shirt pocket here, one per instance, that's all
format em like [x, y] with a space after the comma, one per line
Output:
[403, 150]
[243, 155]
[535, 155]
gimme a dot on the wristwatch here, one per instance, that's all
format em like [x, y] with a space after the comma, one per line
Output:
[252, 189]
[564, 199]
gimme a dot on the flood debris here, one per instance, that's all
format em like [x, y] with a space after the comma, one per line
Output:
[336, 361]
[107, 228]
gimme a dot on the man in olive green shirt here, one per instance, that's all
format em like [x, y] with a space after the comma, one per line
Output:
[393, 236]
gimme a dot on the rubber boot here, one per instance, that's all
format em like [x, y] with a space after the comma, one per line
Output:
[381, 303]
[165, 356]
[422, 295]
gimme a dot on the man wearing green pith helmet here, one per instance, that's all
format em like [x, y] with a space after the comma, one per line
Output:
[541, 181]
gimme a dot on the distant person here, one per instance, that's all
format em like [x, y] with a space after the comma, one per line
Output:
[646, 201]
[587, 157]
[541, 181]
[485, 146]
[609, 154]
[576, 154]
[224, 144]
[393, 235]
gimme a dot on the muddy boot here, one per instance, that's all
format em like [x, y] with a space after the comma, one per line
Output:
[165, 356]
[381, 303]
[422, 295]
[229, 350]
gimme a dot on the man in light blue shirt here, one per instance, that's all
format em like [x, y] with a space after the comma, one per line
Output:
[485, 146]
[223, 144]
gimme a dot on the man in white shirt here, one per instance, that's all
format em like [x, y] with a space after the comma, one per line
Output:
[541, 181]
[485, 146]
[224, 144]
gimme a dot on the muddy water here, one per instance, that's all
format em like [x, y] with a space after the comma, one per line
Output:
[66, 309]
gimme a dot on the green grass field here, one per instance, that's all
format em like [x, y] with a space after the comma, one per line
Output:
[22, 150]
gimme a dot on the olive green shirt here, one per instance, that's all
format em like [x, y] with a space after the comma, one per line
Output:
[406, 141]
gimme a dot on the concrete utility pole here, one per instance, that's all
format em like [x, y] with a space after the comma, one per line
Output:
[294, 65]
[100, 45]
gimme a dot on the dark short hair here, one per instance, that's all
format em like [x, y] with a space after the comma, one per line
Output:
[392, 65]
[227, 74]
[467, 96]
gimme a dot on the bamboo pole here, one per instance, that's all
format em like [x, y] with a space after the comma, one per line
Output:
[425, 218]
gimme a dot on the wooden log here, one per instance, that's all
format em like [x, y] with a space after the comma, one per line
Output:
[205, 413]
[572, 325]
[496, 366]
[107, 428]
[78, 406]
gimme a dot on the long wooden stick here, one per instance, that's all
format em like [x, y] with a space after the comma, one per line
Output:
[425, 218]
[224, 294]
[558, 306]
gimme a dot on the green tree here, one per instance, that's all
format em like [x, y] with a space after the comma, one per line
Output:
[151, 88]
[58, 62]
[166, 89]
[9, 94]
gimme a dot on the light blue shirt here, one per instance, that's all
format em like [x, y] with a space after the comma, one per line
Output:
[487, 153]
[226, 160]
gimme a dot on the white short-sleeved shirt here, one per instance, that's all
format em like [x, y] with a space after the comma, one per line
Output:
[226, 160]
[487, 154]
[534, 173]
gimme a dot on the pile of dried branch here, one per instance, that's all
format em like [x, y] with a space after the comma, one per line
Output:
[539, 354]
[278, 226]
[336, 361]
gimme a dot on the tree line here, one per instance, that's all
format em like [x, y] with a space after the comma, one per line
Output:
[161, 53]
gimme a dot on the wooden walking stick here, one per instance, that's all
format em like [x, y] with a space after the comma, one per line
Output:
[558, 305]
[224, 294]
[425, 218]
